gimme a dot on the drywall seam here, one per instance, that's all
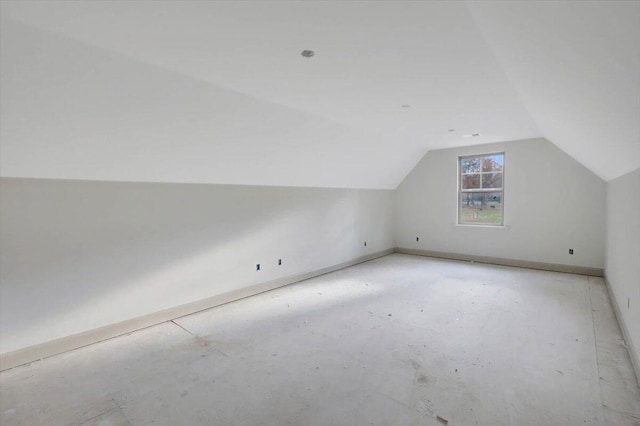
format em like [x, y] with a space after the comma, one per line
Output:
[75, 341]
[625, 331]
[581, 270]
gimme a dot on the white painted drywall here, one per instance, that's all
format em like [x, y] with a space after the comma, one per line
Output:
[74, 111]
[576, 68]
[217, 92]
[551, 204]
[77, 255]
[223, 82]
[622, 266]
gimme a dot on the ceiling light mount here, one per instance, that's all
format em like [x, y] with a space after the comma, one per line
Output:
[307, 53]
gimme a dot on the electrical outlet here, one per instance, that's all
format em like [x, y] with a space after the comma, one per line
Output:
[570, 251]
[257, 267]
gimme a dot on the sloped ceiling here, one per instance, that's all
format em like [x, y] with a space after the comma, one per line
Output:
[576, 68]
[217, 92]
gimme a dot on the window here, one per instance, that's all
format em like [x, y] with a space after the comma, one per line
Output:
[480, 193]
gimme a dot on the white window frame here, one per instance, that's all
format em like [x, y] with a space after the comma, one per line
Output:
[480, 190]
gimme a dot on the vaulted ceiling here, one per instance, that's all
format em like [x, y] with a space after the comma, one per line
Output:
[218, 92]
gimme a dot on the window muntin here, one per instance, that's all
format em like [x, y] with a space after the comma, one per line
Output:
[481, 190]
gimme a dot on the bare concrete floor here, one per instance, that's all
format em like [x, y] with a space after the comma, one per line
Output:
[400, 340]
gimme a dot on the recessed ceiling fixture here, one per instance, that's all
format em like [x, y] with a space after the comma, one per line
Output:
[308, 53]
[406, 106]
[472, 135]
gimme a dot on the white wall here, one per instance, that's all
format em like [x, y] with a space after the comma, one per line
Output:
[551, 204]
[623, 252]
[77, 255]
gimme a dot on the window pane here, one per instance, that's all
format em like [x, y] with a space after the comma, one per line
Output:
[493, 163]
[492, 180]
[470, 181]
[481, 208]
[470, 165]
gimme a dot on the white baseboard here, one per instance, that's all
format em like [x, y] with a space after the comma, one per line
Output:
[68, 343]
[581, 270]
[625, 331]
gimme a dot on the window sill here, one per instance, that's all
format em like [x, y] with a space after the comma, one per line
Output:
[470, 225]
